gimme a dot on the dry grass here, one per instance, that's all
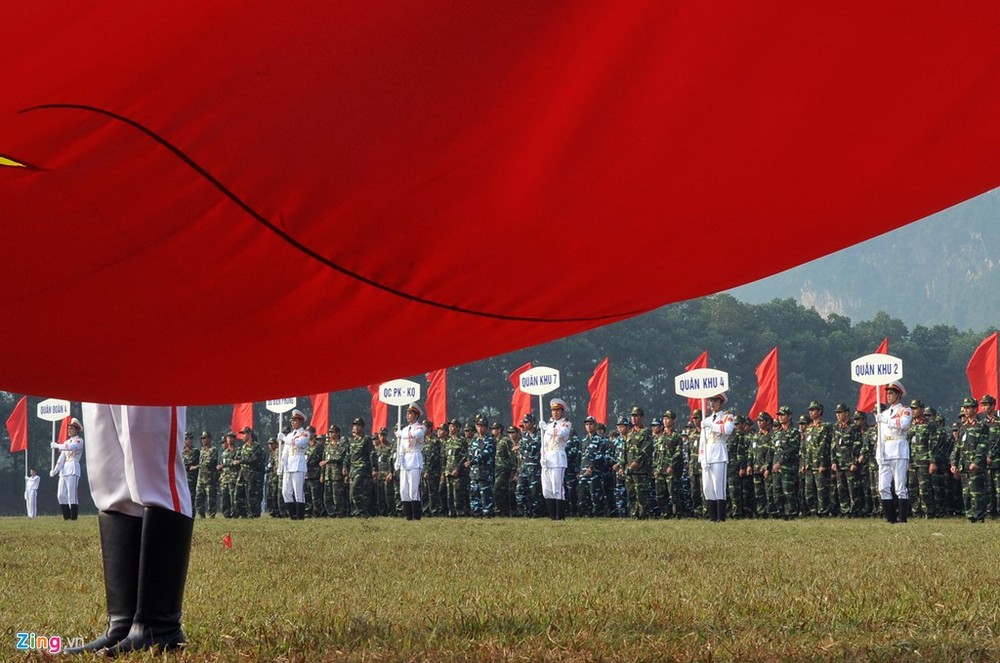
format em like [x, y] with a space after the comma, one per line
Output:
[512, 590]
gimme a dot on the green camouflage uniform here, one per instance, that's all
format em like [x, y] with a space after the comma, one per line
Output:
[249, 481]
[668, 468]
[334, 481]
[504, 462]
[873, 500]
[694, 470]
[383, 461]
[785, 445]
[736, 447]
[273, 482]
[992, 425]
[227, 481]
[360, 450]
[191, 468]
[972, 449]
[815, 467]
[844, 451]
[455, 455]
[760, 456]
[207, 488]
[922, 436]
[430, 494]
[314, 474]
[638, 450]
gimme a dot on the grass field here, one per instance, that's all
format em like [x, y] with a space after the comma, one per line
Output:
[516, 590]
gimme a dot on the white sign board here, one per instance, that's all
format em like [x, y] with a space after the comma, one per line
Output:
[539, 380]
[701, 383]
[399, 392]
[53, 409]
[877, 369]
[280, 405]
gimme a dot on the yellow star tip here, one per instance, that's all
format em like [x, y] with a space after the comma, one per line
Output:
[5, 161]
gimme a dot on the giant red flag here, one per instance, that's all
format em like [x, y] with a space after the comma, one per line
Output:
[520, 402]
[983, 369]
[229, 161]
[866, 395]
[767, 386]
[242, 416]
[320, 412]
[17, 426]
[598, 387]
[380, 411]
[700, 362]
[436, 405]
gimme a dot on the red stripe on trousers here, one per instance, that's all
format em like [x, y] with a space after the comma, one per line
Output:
[173, 459]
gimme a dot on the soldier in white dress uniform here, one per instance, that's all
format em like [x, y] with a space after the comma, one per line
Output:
[68, 469]
[714, 456]
[410, 461]
[31, 481]
[293, 466]
[893, 454]
[555, 435]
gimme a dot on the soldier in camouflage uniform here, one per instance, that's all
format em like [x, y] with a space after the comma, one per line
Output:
[334, 475]
[866, 452]
[636, 463]
[968, 461]
[191, 464]
[736, 447]
[671, 467]
[845, 447]
[760, 458]
[988, 406]
[272, 479]
[815, 461]
[593, 466]
[481, 452]
[694, 465]
[314, 474]
[249, 480]
[430, 494]
[956, 491]
[383, 463]
[617, 494]
[921, 437]
[941, 479]
[529, 480]
[207, 488]
[785, 445]
[571, 480]
[503, 467]
[359, 460]
[227, 474]
[455, 469]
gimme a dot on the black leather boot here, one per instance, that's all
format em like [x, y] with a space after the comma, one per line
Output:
[713, 513]
[301, 508]
[550, 507]
[417, 509]
[121, 538]
[407, 510]
[163, 566]
[74, 510]
[904, 509]
[65, 511]
[889, 509]
[720, 506]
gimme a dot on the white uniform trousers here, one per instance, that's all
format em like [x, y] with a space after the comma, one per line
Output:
[893, 471]
[136, 458]
[293, 486]
[713, 481]
[552, 482]
[409, 485]
[66, 492]
[31, 501]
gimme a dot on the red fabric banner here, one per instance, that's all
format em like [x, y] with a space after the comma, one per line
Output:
[17, 426]
[767, 386]
[598, 387]
[380, 411]
[321, 412]
[520, 402]
[983, 369]
[436, 405]
[242, 416]
[63, 430]
[866, 395]
[700, 362]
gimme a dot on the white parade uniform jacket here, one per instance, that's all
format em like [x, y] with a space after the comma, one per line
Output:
[555, 436]
[294, 452]
[715, 432]
[410, 447]
[893, 423]
[31, 484]
[70, 453]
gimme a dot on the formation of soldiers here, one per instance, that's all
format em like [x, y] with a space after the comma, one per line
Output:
[779, 467]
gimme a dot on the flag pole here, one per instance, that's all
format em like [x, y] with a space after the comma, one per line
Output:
[52, 462]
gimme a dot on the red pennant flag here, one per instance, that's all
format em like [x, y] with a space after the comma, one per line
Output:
[520, 402]
[598, 387]
[866, 395]
[437, 396]
[17, 426]
[982, 369]
[380, 411]
[321, 412]
[242, 417]
[700, 362]
[227, 540]
[767, 386]
[63, 430]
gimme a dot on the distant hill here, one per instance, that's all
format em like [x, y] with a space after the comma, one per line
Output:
[944, 269]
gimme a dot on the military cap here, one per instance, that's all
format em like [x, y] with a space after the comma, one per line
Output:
[427, 423]
[334, 429]
[557, 403]
[413, 407]
[815, 405]
[469, 427]
[696, 414]
[720, 396]
[358, 421]
[273, 441]
[765, 416]
[739, 419]
[602, 428]
[669, 414]
[955, 426]
[481, 420]
[513, 429]
[590, 420]
[803, 419]
[246, 429]
[897, 387]
[206, 434]
[657, 422]
[970, 402]
[297, 414]
[321, 438]
[443, 427]
[455, 422]
[939, 419]
[858, 414]
[496, 425]
[188, 435]
[842, 407]
[622, 421]
[917, 404]
[638, 411]
[230, 434]
[784, 409]
[528, 418]
[931, 412]
[987, 399]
